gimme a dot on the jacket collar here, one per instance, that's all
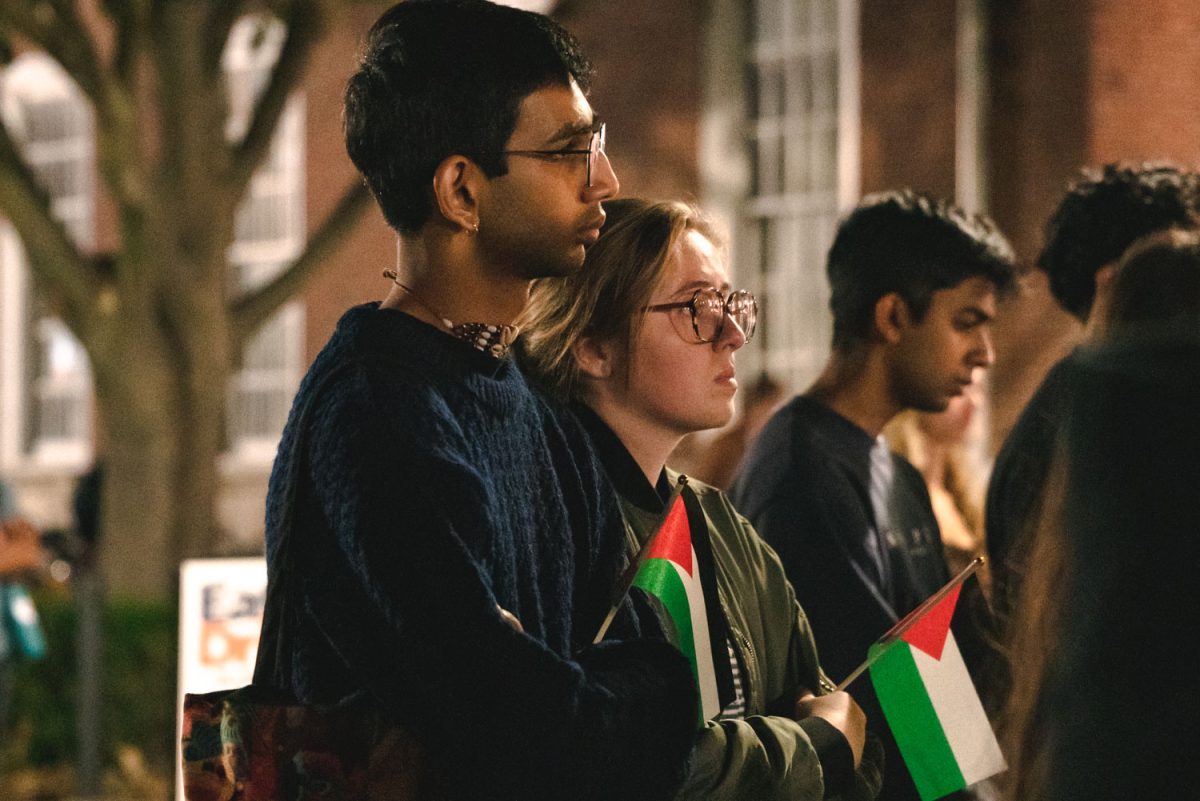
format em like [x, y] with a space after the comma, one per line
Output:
[620, 466]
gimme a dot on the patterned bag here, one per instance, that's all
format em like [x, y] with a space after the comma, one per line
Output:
[257, 743]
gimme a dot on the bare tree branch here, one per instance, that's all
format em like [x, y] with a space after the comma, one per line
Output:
[305, 24]
[129, 18]
[53, 256]
[252, 309]
[192, 111]
[57, 29]
[121, 161]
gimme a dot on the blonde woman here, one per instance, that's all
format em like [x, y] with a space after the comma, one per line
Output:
[643, 341]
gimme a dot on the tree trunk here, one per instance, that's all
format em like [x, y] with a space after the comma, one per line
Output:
[156, 317]
[138, 404]
[197, 481]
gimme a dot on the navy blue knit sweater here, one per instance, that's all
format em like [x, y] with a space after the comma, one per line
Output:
[436, 485]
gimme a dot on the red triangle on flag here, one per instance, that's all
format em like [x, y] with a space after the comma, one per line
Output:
[674, 539]
[929, 631]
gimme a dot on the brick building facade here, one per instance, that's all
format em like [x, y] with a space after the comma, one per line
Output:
[776, 115]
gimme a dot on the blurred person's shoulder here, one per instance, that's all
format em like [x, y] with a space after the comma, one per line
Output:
[791, 455]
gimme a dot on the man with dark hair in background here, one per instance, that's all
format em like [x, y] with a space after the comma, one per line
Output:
[454, 545]
[914, 289]
[1100, 216]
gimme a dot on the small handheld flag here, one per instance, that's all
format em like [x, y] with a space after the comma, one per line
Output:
[929, 700]
[908, 621]
[635, 564]
[671, 573]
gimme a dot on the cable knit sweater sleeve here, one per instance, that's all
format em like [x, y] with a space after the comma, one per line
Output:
[402, 568]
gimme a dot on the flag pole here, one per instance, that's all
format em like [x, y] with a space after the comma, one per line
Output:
[631, 570]
[907, 622]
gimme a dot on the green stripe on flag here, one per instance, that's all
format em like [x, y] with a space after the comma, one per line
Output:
[915, 724]
[660, 578]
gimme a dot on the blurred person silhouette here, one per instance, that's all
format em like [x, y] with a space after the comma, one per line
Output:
[88, 589]
[1110, 593]
[643, 342]
[1103, 704]
[937, 445]
[915, 283]
[20, 549]
[85, 503]
[20, 632]
[1102, 213]
[1157, 285]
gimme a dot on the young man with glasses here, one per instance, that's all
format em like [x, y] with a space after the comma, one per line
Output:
[643, 341]
[914, 288]
[456, 546]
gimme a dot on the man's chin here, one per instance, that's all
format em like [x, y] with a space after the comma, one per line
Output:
[567, 263]
[931, 405]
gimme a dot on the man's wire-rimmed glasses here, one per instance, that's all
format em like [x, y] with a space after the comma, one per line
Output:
[710, 308]
[593, 150]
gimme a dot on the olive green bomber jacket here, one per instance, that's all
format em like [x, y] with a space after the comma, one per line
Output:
[762, 756]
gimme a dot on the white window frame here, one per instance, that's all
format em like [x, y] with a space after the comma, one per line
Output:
[12, 349]
[255, 262]
[36, 75]
[796, 224]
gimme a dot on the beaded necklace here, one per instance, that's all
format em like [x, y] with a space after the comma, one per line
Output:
[494, 339]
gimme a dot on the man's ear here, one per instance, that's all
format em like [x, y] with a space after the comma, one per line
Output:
[595, 358]
[456, 192]
[892, 316]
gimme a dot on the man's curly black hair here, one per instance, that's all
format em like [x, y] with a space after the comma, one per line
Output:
[1102, 214]
[912, 244]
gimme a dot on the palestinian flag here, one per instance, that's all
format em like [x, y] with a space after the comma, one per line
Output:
[677, 572]
[932, 707]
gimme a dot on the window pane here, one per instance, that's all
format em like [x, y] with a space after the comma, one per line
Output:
[823, 14]
[770, 90]
[261, 394]
[263, 218]
[268, 235]
[798, 21]
[794, 203]
[52, 125]
[800, 88]
[769, 162]
[824, 82]
[60, 389]
[768, 20]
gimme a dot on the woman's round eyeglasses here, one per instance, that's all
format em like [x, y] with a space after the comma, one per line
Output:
[710, 308]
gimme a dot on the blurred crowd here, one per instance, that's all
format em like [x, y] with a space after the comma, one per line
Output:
[535, 436]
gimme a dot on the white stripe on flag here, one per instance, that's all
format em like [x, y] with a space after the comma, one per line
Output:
[961, 714]
[710, 703]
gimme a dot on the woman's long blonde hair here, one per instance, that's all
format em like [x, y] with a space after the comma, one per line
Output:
[1033, 635]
